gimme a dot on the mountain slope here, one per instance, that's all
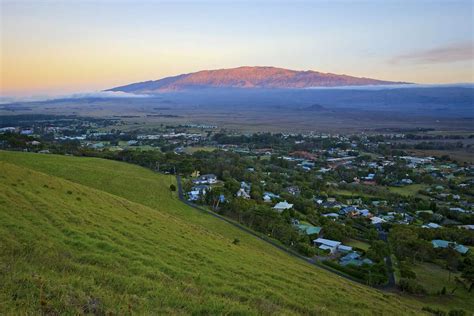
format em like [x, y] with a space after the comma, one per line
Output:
[248, 77]
[66, 245]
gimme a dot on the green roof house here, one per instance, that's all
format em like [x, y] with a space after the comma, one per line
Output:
[439, 243]
[309, 229]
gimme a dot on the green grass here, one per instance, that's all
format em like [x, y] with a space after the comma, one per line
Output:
[434, 278]
[192, 150]
[85, 235]
[357, 244]
[408, 190]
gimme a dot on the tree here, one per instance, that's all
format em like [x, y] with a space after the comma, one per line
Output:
[468, 275]
[378, 250]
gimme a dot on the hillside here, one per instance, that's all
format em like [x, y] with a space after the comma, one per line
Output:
[249, 77]
[84, 235]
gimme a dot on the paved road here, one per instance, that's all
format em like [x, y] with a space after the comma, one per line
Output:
[383, 235]
[267, 240]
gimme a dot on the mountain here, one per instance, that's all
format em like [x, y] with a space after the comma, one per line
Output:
[96, 237]
[249, 77]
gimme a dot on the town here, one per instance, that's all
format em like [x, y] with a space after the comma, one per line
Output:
[360, 205]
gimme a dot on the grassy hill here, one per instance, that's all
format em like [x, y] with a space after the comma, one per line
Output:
[84, 235]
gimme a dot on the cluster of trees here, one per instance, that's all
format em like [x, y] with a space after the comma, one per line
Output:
[412, 244]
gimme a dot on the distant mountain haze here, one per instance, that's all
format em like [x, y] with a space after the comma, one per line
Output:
[250, 78]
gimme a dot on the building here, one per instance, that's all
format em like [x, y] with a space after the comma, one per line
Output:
[242, 194]
[354, 258]
[332, 245]
[309, 229]
[281, 206]
[443, 244]
[206, 179]
[432, 226]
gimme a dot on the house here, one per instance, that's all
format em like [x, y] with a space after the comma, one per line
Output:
[243, 194]
[468, 227]
[343, 248]
[7, 129]
[349, 211]
[369, 179]
[332, 245]
[293, 190]
[309, 229]
[206, 179]
[202, 188]
[327, 244]
[281, 206]
[97, 146]
[268, 196]
[377, 220]
[432, 226]
[246, 186]
[198, 191]
[353, 258]
[333, 215]
[439, 243]
[193, 195]
[26, 132]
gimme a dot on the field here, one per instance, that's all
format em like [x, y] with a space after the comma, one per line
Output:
[434, 278]
[408, 190]
[85, 235]
[357, 244]
[192, 150]
[462, 156]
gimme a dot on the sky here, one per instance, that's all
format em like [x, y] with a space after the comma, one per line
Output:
[56, 47]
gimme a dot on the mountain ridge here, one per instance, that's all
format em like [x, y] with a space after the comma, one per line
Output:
[249, 77]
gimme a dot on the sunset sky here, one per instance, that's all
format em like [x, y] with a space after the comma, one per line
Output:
[58, 47]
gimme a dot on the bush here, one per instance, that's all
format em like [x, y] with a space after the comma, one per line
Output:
[172, 187]
[305, 249]
[411, 286]
[457, 312]
[406, 272]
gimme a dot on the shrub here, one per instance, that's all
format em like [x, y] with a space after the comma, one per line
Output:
[457, 312]
[172, 187]
[406, 272]
[305, 249]
[411, 286]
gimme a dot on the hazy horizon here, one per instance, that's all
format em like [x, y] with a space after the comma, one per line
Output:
[57, 47]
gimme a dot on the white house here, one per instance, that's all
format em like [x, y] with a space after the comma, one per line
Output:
[206, 179]
[332, 245]
[377, 220]
[281, 206]
[432, 226]
[242, 194]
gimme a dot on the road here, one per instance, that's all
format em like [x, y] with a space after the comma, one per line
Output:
[383, 235]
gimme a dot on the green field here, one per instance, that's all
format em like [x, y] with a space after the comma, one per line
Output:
[85, 235]
[434, 278]
[357, 244]
[192, 150]
[408, 190]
